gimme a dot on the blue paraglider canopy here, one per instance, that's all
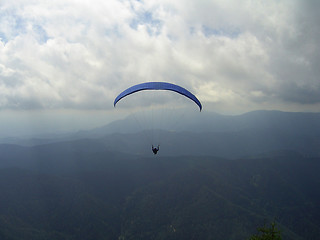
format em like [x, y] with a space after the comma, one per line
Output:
[158, 86]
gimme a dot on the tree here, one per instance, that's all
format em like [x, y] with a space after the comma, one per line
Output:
[267, 233]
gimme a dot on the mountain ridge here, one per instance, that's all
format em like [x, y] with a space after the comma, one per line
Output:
[253, 133]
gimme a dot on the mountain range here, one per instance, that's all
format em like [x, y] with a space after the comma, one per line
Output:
[215, 177]
[202, 134]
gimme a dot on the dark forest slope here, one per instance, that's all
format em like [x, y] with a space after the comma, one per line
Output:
[79, 193]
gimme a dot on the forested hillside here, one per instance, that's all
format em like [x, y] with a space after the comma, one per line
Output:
[105, 195]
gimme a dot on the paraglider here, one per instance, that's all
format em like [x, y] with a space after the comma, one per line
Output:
[155, 150]
[158, 86]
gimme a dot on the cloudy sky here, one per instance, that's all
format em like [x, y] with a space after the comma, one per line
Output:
[63, 62]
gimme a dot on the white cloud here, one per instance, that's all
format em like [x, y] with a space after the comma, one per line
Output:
[80, 54]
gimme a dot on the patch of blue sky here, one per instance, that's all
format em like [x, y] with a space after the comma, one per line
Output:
[113, 31]
[146, 18]
[220, 32]
[15, 25]
[41, 34]
[3, 37]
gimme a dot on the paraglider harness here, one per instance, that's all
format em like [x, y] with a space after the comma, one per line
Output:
[155, 150]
